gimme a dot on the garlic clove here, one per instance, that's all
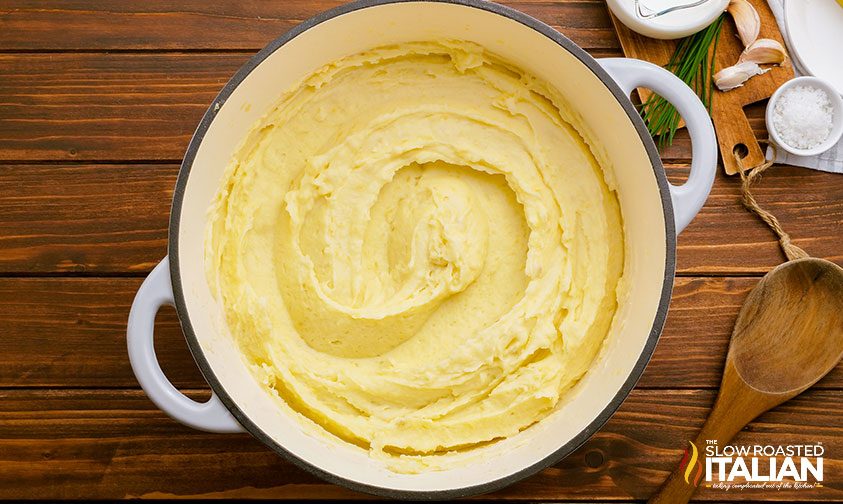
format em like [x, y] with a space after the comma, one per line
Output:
[734, 76]
[764, 51]
[746, 20]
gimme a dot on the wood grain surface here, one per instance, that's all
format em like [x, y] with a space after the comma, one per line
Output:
[115, 444]
[132, 106]
[788, 335]
[97, 103]
[222, 25]
[112, 218]
[70, 332]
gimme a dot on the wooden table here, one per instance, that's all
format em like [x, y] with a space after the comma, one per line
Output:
[97, 104]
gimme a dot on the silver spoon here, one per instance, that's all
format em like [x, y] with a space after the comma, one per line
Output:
[645, 12]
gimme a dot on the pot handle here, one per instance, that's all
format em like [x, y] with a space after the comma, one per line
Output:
[155, 292]
[688, 198]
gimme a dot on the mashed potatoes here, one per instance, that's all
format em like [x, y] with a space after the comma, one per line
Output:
[417, 252]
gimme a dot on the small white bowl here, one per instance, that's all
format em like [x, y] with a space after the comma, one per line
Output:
[837, 116]
[677, 24]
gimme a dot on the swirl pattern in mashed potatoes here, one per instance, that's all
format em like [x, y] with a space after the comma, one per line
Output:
[417, 251]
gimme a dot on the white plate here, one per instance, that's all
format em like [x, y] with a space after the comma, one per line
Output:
[815, 30]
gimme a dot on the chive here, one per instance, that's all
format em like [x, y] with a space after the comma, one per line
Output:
[693, 62]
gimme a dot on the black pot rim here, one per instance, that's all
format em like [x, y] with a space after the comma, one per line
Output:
[564, 450]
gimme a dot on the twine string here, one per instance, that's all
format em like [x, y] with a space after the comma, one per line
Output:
[747, 178]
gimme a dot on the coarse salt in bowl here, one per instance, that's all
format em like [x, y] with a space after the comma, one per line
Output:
[805, 116]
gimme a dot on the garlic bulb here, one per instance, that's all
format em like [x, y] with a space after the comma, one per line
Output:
[756, 51]
[764, 51]
[746, 20]
[734, 76]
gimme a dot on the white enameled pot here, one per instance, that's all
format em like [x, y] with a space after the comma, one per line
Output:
[653, 211]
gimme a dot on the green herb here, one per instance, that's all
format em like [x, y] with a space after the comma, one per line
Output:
[693, 62]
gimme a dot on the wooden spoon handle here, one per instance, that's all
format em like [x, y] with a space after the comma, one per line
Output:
[675, 490]
[737, 405]
[685, 479]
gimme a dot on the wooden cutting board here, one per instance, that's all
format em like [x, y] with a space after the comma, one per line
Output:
[734, 133]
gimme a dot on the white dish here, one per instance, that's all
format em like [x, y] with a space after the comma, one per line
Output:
[677, 24]
[836, 103]
[815, 32]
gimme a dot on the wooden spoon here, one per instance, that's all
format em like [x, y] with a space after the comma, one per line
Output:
[789, 334]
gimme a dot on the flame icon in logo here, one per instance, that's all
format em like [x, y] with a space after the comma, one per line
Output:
[690, 462]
